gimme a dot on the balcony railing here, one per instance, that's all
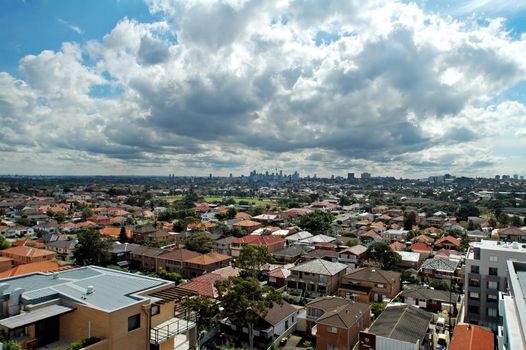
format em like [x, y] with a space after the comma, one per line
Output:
[172, 327]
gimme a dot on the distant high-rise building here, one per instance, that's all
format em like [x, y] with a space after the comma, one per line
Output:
[210, 176]
[497, 177]
[521, 177]
[350, 176]
[515, 176]
[505, 177]
[366, 176]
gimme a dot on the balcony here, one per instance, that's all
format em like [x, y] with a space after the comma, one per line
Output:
[171, 328]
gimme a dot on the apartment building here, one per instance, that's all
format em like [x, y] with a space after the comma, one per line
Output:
[316, 277]
[121, 310]
[485, 276]
[512, 309]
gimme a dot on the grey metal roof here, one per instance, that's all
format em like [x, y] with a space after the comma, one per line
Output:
[34, 316]
[440, 264]
[320, 267]
[113, 289]
[406, 323]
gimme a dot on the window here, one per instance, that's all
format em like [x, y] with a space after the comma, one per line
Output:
[474, 295]
[493, 285]
[155, 310]
[331, 347]
[475, 269]
[493, 258]
[332, 329]
[492, 312]
[134, 322]
[493, 271]
[474, 282]
[492, 298]
[380, 286]
[473, 309]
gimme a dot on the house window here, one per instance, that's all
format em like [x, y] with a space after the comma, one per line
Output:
[493, 271]
[155, 310]
[474, 295]
[332, 329]
[473, 282]
[380, 286]
[473, 309]
[331, 347]
[492, 298]
[493, 258]
[475, 269]
[134, 322]
[493, 285]
[492, 312]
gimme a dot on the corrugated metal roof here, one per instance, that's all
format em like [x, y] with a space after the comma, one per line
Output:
[34, 316]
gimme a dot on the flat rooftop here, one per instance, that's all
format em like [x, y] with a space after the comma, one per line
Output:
[113, 289]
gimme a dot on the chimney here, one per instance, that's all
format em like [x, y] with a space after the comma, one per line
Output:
[13, 304]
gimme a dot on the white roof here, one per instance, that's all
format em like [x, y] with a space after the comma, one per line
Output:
[299, 236]
[409, 256]
[318, 239]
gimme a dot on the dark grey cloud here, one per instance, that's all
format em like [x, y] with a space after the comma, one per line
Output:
[152, 51]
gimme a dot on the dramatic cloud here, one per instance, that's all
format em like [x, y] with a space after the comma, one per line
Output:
[227, 86]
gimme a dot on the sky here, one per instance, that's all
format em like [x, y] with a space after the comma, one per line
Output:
[191, 87]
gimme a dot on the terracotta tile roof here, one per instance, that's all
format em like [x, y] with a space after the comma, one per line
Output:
[472, 337]
[42, 266]
[242, 215]
[423, 238]
[371, 234]
[247, 223]
[178, 255]
[397, 246]
[448, 239]
[207, 259]
[258, 240]
[202, 225]
[421, 247]
[27, 251]
[114, 231]
[204, 288]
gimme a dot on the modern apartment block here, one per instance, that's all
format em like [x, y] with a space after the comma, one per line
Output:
[512, 308]
[485, 276]
[122, 310]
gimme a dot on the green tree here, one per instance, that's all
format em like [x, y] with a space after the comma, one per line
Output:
[123, 238]
[504, 219]
[466, 210]
[317, 222]
[86, 213]
[383, 254]
[12, 345]
[252, 258]
[201, 242]
[258, 210]
[4, 244]
[170, 276]
[439, 284]
[206, 309]
[231, 213]
[92, 248]
[377, 309]
[409, 220]
[246, 301]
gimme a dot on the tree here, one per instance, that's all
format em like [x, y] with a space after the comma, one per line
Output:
[377, 309]
[439, 284]
[4, 244]
[12, 345]
[252, 258]
[246, 301]
[86, 213]
[201, 242]
[206, 309]
[92, 248]
[123, 238]
[352, 242]
[409, 220]
[255, 211]
[467, 210]
[383, 254]
[504, 219]
[231, 213]
[170, 276]
[317, 222]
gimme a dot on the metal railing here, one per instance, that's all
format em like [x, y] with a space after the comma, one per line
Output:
[181, 323]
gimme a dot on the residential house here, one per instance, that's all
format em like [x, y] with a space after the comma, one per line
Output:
[173, 260]
[41, 266]
[298, 236]
[204, 263]
[448, 242]
[115, 231]
[512, 234]
[205, 285]
[272, 243]
[120, 253]
[395, 235]
[120, 310]
[316, 277]
[63, 248]
[25, 255]
[432, 300]
[222, 246]
[278, 277]
[410, 259]
[397, 327]
[247, 225]
[145, 257]
[329, 255]
[370, 284]
[353, 256]
[422, 248]
[339, 327]
[440, 268]
[289, 255]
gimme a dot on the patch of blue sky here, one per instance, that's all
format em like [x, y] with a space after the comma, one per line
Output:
[31, 26]
[515, 93]
[105, 91]
[326, 38]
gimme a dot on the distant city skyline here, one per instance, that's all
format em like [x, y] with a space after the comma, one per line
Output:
[408, 89]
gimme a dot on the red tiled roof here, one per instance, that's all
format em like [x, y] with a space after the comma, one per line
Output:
[207, 259]
[42, 266]
[247, 223]
[448, 239]
[421, 247]
[472, 337]
[27, 251]
[258, 240]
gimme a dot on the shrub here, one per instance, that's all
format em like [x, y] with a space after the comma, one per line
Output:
[79, 344]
